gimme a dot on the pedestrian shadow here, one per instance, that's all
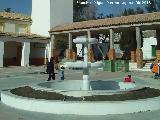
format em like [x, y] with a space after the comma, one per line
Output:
[34, 73]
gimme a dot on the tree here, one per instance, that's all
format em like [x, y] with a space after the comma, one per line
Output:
[109, 16]
[61, 43]
[89, 12]
[139, 10]
[7, 10]
[157, 3]
[78, 10]
[131, 11]
[125, 41]
[100, 16]
[128, 12]
[125, 13]
[151, 7]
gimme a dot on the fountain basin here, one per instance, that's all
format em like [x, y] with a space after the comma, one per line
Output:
[79, 107]
[77, 85]
[74, 87]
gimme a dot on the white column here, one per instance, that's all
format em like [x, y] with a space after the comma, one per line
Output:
[89, 36]
[86, 82]
[25, 54]
[111, 38]
[1, 53]
[50, 47]
[52, 41]
[138, 37]
[70, 41]
[47, 51]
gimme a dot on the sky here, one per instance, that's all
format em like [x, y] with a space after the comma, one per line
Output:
[19, 6]
[117, 6]
[103, 6]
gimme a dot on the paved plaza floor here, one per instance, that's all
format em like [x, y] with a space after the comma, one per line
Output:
[19, 76]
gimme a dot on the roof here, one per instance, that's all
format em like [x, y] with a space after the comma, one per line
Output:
[15, 16]
[123, 20]
[23, 35]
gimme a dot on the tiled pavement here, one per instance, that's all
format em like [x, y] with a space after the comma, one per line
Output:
[17, 76]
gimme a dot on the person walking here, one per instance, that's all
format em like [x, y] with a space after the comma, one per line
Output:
[51, 70]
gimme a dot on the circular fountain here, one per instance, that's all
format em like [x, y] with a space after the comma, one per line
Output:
[85, 65]
[82, 97]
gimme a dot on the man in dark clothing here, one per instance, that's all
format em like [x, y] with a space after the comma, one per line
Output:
[51, 70]
[47, 65]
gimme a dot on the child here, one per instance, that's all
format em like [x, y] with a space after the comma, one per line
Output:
[62, 73]
[128, 79]
[155, 69]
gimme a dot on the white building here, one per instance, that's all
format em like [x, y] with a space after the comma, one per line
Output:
[50, 13]
[18, 46]
[47, 14]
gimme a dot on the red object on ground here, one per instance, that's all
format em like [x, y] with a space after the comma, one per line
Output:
[127, 79]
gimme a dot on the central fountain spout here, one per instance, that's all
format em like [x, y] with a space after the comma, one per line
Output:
[86, 83]
[86, 64]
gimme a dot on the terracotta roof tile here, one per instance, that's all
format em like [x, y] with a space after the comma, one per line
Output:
[123, 20]
[24, 35]
[15, 16]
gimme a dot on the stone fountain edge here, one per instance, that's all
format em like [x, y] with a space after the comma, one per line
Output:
[79, 107]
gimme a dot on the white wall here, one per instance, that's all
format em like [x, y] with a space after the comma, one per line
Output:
[147, 48]
[61, 12]
[50, 13]
[41, 17]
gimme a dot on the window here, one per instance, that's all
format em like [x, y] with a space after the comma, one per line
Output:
[21, 28]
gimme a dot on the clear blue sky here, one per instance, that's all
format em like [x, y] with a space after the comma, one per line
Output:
[24, 6]
[20, 6]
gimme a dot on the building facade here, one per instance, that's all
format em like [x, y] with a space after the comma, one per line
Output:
[19, 47]
[131, 27]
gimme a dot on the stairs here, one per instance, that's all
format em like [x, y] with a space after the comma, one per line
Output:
[147, 66]
[133, 67]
